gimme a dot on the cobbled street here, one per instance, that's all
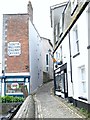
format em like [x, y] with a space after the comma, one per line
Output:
[48, 106]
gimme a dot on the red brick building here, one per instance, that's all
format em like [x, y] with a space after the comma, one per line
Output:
[22, 54]
[16, 53]
[16, 34]
[15, 56]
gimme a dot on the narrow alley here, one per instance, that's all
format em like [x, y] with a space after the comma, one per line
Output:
[48, 106]
[43, 104]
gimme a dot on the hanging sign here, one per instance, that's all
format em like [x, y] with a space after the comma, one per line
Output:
[14, 48]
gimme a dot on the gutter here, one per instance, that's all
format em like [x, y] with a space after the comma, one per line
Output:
[71, 24]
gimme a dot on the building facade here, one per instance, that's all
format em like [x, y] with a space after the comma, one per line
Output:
[21, 56]
[47, 60]
[71, 75]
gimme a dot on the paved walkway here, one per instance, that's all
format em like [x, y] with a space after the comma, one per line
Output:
[48, 106]
[27, 110]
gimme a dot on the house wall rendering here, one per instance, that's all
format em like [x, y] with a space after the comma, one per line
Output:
[47, 59]
[35, 58]
[72, 48]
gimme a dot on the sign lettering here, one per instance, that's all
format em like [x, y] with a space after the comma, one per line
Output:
[14, 49]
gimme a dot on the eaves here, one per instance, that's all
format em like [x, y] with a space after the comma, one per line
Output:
[77, 15]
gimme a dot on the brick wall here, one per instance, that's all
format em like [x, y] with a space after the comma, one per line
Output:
[15, 29]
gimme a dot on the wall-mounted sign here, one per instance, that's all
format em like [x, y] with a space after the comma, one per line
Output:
[14, 48]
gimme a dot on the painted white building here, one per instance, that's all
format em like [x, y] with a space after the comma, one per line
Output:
[72, 48]
[47, 60]
[35, 58]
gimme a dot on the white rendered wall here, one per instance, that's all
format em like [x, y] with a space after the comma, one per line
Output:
[82, 59]
[45, 47]
[66, 59]
[89, 56]
[35, 58]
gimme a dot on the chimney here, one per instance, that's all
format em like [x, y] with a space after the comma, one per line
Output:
[30, 11]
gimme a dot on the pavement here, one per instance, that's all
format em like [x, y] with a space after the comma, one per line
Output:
[49, 106]
[43, 104]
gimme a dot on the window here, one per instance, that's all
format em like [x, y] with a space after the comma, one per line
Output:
[46, 59]
[75, 40]
[82, 81]
[47, 62]
[56, 32]
[61, 53]
[14, 87]
[56, 55]
[73, 6]
[61, 24]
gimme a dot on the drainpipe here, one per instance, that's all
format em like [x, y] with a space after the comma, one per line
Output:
[70, 62]
[70, 56]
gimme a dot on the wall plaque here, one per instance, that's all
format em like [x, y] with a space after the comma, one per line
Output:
[14, 49]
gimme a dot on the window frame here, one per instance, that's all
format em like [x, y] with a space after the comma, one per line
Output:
[61, 55]
[61, 24]
[83, 88]
[76, 50]
[47, 65]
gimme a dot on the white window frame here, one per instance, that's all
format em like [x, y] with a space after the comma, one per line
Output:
[61, 24]
[47, 65]
[61, 55]
[82, 81]
[56, 33]
[75, 40]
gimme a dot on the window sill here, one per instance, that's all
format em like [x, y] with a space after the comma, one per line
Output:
[82, 98]
[76, 55]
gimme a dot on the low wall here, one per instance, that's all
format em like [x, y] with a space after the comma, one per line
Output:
[27, 109]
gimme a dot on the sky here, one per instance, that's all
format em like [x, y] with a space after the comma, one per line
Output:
[41, 14]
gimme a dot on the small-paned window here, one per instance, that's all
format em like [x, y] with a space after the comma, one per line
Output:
[75, 40]
[82, 82]
[47, 62]
[47, 59]
[61, 23]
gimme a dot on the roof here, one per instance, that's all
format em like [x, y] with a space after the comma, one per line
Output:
[57, 7]
[48, 41]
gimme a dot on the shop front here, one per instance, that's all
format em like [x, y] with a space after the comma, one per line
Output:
[60, 80]
[12, 85]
